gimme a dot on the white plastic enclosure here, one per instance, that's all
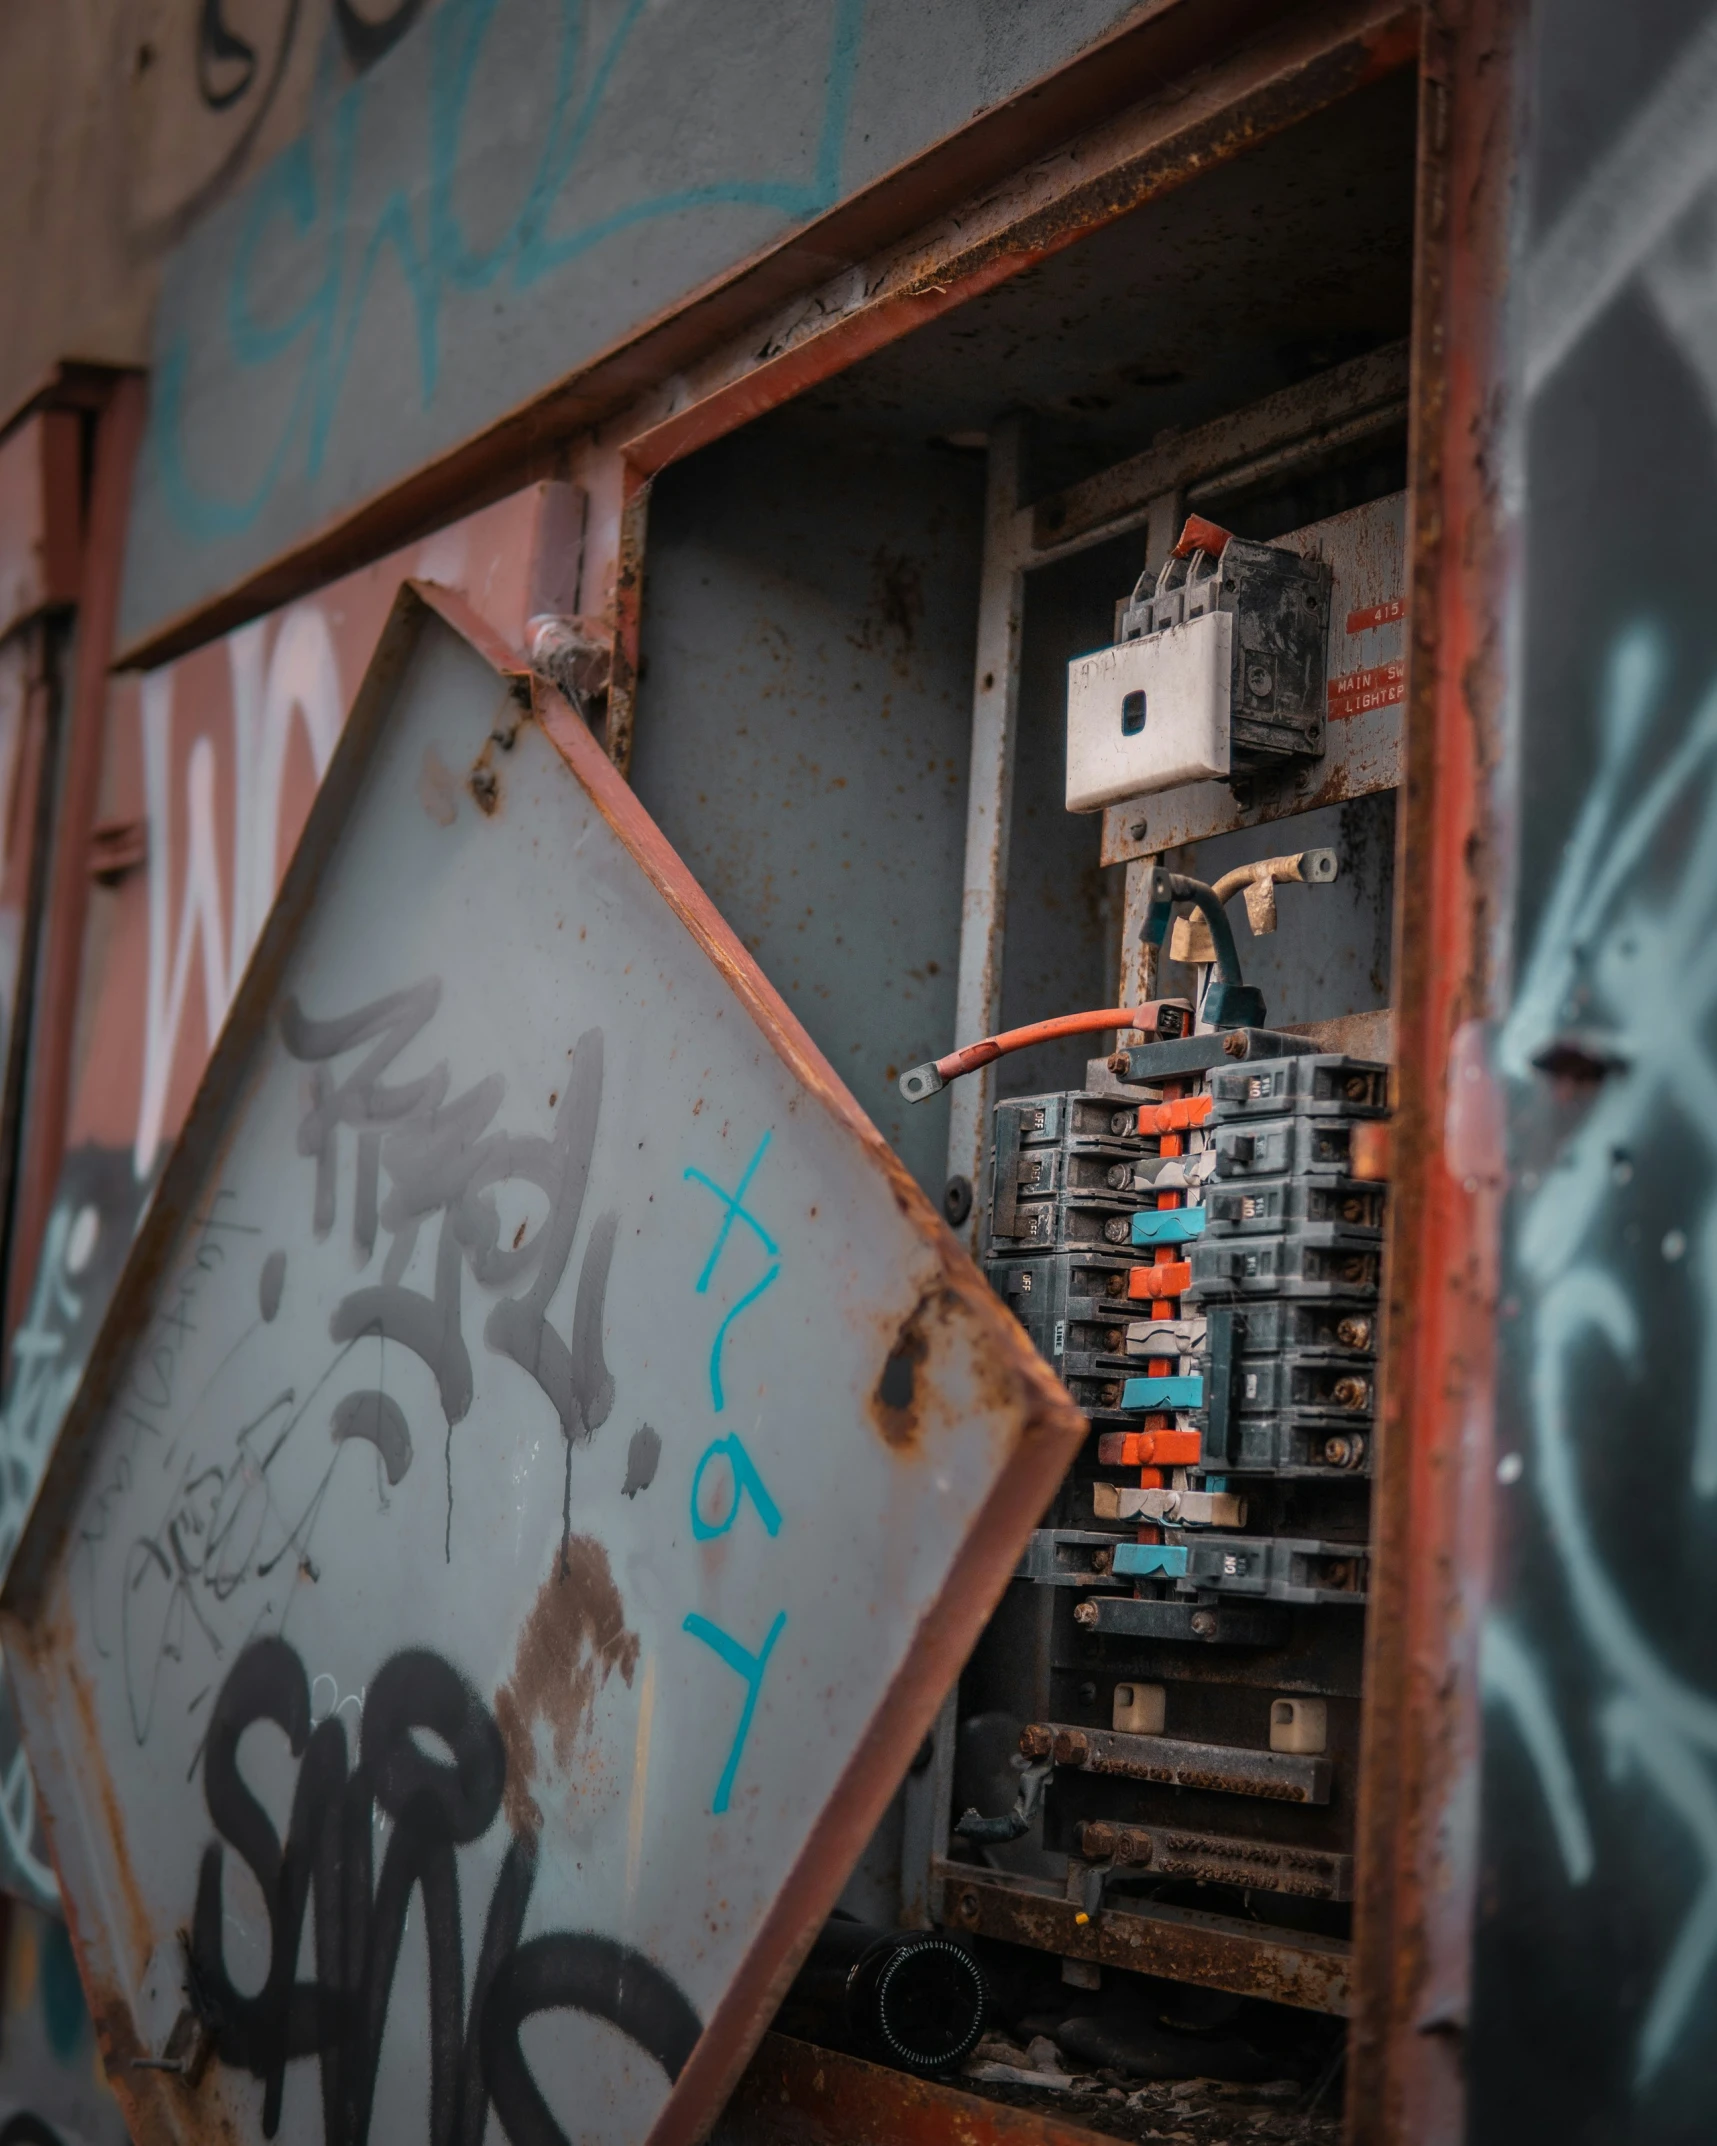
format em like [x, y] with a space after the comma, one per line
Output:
[1150, 714]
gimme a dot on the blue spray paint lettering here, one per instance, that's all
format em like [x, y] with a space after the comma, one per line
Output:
[437, 260]
[736, 1211]
[747, 1483]
[750, 1667]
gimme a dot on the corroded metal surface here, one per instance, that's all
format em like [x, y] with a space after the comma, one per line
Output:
[531, 1355]
[793, 2094]
[1434, 1476]
[1366, 551]
[1286, 1967]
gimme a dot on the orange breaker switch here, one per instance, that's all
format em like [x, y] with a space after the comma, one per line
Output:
[1145, 1449]
[1171, 1279]
[1179, 1116]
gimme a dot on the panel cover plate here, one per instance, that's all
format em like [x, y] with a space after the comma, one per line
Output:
[542, 1468]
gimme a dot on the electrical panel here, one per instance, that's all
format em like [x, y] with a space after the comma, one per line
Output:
[1196, 1248]
[1219, 666]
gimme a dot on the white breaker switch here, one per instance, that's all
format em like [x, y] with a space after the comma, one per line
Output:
[1220, 666]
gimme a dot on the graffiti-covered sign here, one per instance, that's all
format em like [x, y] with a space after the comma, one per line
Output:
[543, 1465]
[209, 767]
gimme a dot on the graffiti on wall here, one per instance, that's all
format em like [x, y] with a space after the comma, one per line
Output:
[52, 2088]
[313, 223]
[217, 757]
[1596, 1948]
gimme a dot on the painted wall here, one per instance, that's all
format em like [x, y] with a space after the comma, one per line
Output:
[210, 764]
[1596, 1946]
[53, 2091]
[517, 186]
[124, 123]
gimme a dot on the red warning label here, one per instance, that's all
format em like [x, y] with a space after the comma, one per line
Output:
[1358, 691]
[1382, 614]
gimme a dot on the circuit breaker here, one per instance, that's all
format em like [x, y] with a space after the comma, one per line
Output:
[1219, 665]
[1198, 1254]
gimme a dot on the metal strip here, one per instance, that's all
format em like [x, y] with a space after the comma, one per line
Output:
[118, 433]
[1430, 1515]
[1314, 1973]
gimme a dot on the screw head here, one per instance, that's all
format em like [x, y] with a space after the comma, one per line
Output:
[1234, 1046]
[1085, 1613]
[1204, 1624]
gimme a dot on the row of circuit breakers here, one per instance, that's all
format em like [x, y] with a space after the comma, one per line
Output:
[1202, 1268]
[1196, 1246]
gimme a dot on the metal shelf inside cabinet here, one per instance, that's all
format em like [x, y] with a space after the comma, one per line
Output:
[1182, 1944]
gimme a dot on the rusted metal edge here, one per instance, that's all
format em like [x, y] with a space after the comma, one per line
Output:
[33, 804]
[794, 2094]
[1325, 55]
[1051, 1431]
[1048, 1428]
[1250, 1960]
[1355, 399]
[77, 779]
[72, 384]
[1253, 94]
[1433, 1484]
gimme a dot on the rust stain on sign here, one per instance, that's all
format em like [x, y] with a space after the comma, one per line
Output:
[896, 1405]
[572, 1642]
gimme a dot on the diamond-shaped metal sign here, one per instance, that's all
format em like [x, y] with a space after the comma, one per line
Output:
[543, 1467]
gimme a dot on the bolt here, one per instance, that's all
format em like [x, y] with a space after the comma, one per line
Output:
[1118, 1230]
[1204, 1624]
[1354, 1333]
[1034, 1741]
[1102, 1561]
[1072, 1747]
[1122, 1122]
[1139, 830]
[1234, 1046]
[1115, 1285]
[1097, 1839]
[1353, 1210]
[1109, 1396]
[1111, 1337]
[968, 1907]
[1355, 1086]
[1120, 1064]
[1087, 1694]
[1119, 1176]
[1351, 1392]
[1338, 1451]
[1085, 1613]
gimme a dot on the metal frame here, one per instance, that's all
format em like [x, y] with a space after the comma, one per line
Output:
[77, 781]
[1431, 1517]
[1036, 1422]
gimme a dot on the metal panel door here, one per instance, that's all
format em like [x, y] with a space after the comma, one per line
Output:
[541, 1470]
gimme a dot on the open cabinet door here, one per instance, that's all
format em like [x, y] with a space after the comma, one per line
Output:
[542, 1468]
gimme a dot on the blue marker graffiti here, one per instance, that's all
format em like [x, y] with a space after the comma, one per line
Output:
[747, 1483]
[737, 1211]
[751, 1668]
[306, 197]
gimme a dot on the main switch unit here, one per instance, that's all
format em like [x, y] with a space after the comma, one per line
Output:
[1220, 666]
